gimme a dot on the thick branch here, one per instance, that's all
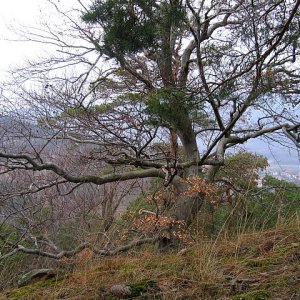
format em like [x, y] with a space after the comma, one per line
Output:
[159, 165]
[240, 140]
[294, 137]
[85, 178]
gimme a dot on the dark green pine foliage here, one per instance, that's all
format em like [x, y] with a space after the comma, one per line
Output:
[168, 106]
[134, 25]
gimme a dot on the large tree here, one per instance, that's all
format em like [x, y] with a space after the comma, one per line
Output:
[156, 89]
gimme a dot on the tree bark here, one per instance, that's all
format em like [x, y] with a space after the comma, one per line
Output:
[188, 139]
[187, 206]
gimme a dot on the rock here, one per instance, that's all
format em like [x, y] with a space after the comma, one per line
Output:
[34, 275]
[121, 290]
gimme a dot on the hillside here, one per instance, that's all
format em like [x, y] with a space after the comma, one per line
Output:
[252, 266]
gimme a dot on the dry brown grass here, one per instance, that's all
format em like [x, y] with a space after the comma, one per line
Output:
[202, 271]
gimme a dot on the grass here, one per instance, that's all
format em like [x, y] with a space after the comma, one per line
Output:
[205, 270]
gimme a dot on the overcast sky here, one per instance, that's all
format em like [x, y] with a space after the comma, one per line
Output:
[16, 12]
[23, 13]
[30, 12]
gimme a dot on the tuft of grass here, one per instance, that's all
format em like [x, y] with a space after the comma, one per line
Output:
[253, 295]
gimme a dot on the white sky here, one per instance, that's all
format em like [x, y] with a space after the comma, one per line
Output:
[23, 13]
[16, 12]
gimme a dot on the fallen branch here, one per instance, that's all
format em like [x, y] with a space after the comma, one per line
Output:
[70, 253]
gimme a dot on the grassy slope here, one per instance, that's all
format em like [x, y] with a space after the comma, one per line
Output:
[242, 268]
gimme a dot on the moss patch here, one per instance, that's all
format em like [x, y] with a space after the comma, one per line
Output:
[128, 268]
[142, 286]
[26, 291]
[258, 263]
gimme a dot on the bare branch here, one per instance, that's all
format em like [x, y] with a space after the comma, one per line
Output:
[71, 253]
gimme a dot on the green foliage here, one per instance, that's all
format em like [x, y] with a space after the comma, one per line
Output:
[47, 122]
[280, 184]
[285, 195]
[133, 97]
[135, 206]
[226, 90]
[14, 264]
[67, 236]
[170, 107]
[170, 15]
[46, 212]
[254, 208]
[130, 26]
[242, 169]
[276, 201]
[81, 111]
[125, 29]
[261, 263]
[74, 111]
[128, 268]
[8, 231]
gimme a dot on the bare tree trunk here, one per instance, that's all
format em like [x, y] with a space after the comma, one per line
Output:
[190, 148]
[186, 208]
